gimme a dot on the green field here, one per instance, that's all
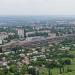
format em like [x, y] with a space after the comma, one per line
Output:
[55, 71]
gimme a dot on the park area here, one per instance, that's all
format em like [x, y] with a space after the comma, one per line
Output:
[56, 71]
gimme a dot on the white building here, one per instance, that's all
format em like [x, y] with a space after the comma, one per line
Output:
[21, 33]
[3, 35]
[0, 42]
[51, 34]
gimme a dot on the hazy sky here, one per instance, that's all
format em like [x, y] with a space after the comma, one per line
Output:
[37, 7]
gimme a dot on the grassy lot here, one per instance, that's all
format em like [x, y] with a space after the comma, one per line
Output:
[55, 71]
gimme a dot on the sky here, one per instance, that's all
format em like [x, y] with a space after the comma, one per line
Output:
[37, 7]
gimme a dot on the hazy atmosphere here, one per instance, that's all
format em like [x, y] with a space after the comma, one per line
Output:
[37, 7]
[37, 37]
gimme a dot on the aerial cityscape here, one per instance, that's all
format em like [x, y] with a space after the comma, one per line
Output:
[37, 37]
[41, 46]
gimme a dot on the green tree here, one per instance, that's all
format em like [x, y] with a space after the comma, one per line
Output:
[23, 69]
